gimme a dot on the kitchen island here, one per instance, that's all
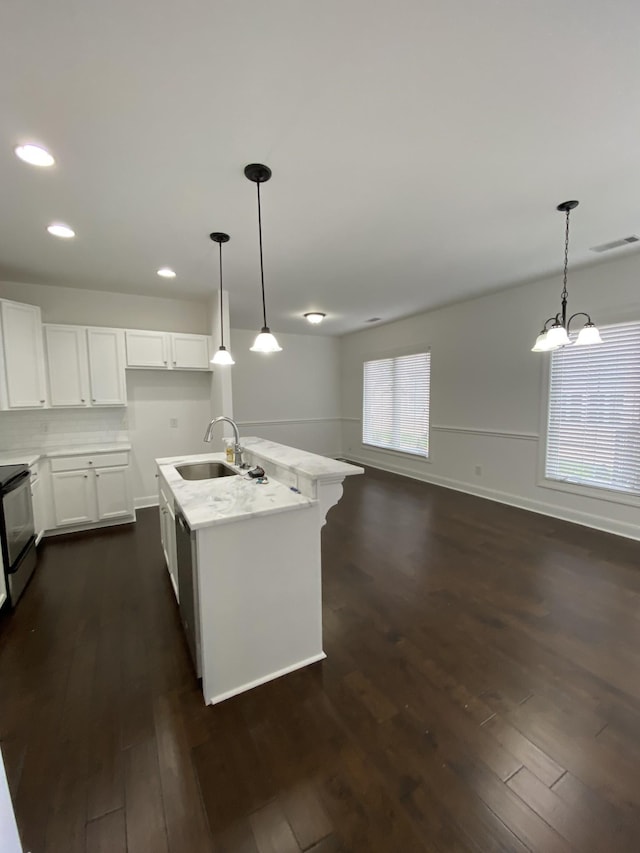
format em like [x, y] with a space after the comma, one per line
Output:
[246, 561]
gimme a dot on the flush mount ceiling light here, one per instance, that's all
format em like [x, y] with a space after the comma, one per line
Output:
[265, 342]
[35, 155]
[314, 317]
[558, 334]
[222, 356]
[166, 272]
[60, 230]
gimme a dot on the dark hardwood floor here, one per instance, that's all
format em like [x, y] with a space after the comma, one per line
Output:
[481, 693]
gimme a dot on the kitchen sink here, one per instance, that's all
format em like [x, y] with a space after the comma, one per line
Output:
[205, 471]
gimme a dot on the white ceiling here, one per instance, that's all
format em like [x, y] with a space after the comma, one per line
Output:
[418, 148]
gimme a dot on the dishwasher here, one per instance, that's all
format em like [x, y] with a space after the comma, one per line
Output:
[188, 587]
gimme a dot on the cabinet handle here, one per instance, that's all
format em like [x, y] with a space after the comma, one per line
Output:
[93, 399]
[42, 401]
[82, 399]
[97, 475]
[85, 476]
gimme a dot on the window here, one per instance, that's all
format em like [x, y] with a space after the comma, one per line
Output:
[593, 435]
[396, 403]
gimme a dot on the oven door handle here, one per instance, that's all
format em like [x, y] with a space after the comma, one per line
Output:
[16, 566]
[16, 482]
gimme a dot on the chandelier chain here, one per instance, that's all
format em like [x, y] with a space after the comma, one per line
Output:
[566, 257]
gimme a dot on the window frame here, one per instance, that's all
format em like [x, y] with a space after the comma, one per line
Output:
[401, 352]
[580, 489]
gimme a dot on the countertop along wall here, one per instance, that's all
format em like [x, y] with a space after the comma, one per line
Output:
[487, 390]
[293, 396]
[154, 397]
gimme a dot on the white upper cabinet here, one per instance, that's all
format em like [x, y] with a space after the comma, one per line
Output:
[189, 352]
[106, 367]
[23, 382]
[67, 365]
[147, 349]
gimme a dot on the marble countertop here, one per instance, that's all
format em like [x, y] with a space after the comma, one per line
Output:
[226, 499]
[30, 457]
[84, 449]
[20, 457]
[311, 465]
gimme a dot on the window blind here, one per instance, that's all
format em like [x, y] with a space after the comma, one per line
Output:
[593, 432]
[396, 403]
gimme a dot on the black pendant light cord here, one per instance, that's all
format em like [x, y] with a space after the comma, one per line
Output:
[221, 315]
[565, 293]
[264, 304]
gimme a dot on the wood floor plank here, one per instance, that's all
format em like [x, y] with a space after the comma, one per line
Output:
[145, 822]
[272, 831]
[479, 694]
[107, 834]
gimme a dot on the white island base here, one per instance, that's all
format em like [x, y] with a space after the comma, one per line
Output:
[260, 591]
[257, 580]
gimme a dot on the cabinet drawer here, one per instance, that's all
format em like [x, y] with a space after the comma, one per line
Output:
[97, 460]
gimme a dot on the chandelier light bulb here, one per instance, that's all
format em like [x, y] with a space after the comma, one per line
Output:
[588, 335]
[557, 336]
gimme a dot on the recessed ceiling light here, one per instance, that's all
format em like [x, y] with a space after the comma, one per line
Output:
[315, 317]
[60, 230]
[34, 154]
[166, 272]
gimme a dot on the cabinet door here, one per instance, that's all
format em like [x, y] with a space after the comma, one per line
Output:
[38, 509]
[146, 349]
[113, 493]
[190, 352]
[106, 367]
[67, 367]
[73, 497]
[23, 355]
[172, 557]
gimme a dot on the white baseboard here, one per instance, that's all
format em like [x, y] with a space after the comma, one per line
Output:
[93, 525]
[597, 522]
[149, 500]
[271, 677]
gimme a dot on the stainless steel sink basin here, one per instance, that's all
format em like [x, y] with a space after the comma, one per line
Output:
[205, 471]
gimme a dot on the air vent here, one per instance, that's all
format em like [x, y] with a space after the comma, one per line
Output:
[373, 320]
[615, 244]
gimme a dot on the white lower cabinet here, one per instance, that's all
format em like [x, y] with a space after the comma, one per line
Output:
[74, 499]
[168, 538]
[89, 489]
[37, 502]
[113, 492]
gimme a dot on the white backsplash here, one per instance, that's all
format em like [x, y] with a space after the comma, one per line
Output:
[51, 428]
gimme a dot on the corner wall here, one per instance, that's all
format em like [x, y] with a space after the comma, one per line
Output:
[487, 391]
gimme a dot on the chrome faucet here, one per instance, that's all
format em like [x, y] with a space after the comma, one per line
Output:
[237, 449]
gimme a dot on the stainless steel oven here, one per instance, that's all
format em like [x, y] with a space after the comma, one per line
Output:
[17, 532]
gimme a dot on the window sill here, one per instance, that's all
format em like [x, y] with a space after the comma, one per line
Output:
[593, 492]
[402, 454]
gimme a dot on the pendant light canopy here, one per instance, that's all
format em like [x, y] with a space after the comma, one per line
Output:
[222, 355]
[265, 341]
[558, 334]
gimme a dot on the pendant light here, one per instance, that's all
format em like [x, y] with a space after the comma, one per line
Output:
[222, 355]
[558, 334]
[265, 341]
